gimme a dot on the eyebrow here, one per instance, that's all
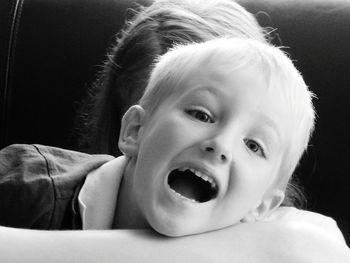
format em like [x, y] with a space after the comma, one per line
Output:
[208, 88]
[273, 126]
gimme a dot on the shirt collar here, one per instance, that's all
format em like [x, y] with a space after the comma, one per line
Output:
[98, 196]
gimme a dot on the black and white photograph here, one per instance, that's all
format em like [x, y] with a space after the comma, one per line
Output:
[175, 131]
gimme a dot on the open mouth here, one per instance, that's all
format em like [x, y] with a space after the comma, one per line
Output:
[193, 184]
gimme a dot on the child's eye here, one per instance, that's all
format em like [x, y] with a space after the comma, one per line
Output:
[200, 115]
[254, 147]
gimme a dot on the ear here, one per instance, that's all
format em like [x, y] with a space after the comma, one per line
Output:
[131, 125]
[268, 205]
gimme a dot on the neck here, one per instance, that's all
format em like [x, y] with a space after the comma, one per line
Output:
[127, 213]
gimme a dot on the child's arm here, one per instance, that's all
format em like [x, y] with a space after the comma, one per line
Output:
[246, 243]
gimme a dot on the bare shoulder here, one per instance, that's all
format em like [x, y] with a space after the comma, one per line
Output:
[299, 242]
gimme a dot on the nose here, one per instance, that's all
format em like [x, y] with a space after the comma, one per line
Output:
[218, 150]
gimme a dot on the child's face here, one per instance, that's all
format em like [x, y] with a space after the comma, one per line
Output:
[210, 155]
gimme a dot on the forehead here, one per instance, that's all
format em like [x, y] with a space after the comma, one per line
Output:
[223, 82]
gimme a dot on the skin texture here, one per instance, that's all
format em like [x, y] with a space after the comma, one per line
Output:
[239, 146]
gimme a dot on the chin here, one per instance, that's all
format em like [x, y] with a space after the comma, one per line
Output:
[176, 229]
[170, 228]
[172, 232]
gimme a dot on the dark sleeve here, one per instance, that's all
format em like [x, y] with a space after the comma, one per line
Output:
[26, 189]
[39, 185]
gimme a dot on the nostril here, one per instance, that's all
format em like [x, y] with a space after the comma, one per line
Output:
[209, 149]
[212, 150]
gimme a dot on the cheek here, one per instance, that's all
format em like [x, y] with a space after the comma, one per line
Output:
[251, 178]
[170, 134]
[160, 139]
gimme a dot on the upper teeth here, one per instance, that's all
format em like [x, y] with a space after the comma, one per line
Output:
[201, 175]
